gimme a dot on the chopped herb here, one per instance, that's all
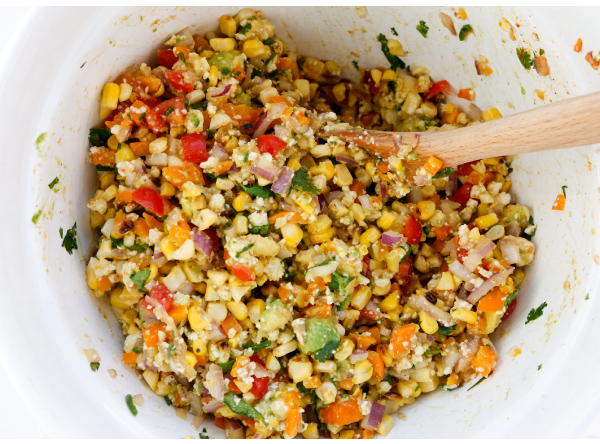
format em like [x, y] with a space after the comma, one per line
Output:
[95, 366]
[327, 351]
[244, 29]
[36, 217]
[395, 61]
[479, 382]
[263, 230]
[54, 182]
[136, 350]
[423, 28]
[432, 352]
[395, 32]
[82, 65]
[333, 160]
[257, 73]
[269, 42]
[464, 31]
[39, 140]
[277, 72]
[246, 154]
[542, 51]
[301, 64]
[587, 296]
[129, 401]
[564, 188]
[61, 233]
[241, 407]
[257, 347]
[70, 239]
[340, 282]
[98, 136]
[195, 120]
[445, 331]
[510, 170]
[539, 367]
[523, 91]
[139, 278]
[301, 181]
[306, 391]
[270, 59]
[398, 107]
[203, 434]
[459, 386]
[201, 105]
[406, 254]
[105, 168]
[172, 350]
[119, 243]
[168, 401]
[511, 297]
[391, 85]
[535, 313]
[227, 366]
[225, 71]
[289, 276]
[129, 116]
[524, 58]
[243, 250]
[446, 172]
[186, 103]
[237, 73]
[257, 191]
[355, 64]
[210, 132]
[144, 115]
[168, 111]
[181, 57]
[388, 379]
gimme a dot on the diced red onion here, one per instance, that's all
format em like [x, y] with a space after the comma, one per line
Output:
[158, 255]
[391, 238]
[430, 338]
[451, 358]
[219, 152]
[345, 159]
[477, 68]
[464, 292]
[248, 77]
[510, 250]
[382, 190]
[358, 356]
[311, 414]
[276, 110]
[205, 393]
[149, 367]
[333, 195]
[220, 91]
[496, 279]
[513, 229]
[322, 203]
[472, 346]
[214, 382]
[282, 184]
[263, 173]
[415, 195]
[148, 316]
[447, 22]
[451, 185]
[372, 308]
[203, 242]
[216, 334]
[262, 125]
[257, 436]
[461, 271]
[373, 420]
[260, 371]
[186, 288]
[476, 255]
[365, 202]
[433, 310]
[233, 429]
[212, 406]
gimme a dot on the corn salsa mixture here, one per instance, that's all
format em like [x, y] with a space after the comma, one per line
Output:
[285, 283]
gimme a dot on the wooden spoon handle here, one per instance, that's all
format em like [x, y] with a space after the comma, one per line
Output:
[565, 124]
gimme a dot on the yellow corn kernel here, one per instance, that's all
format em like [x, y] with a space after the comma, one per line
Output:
[386, 425]
[342, 175]
[389, 75]
[168, 248]
[320, 225]
[506, 185]
[345, 350]
[231, 143]
[319, 238]
[153, 272]
[151, 378]
[386, 220]
[125, 90]
[491, 114]
[227, 25]
[370, 236]
[492, 161]
[395, 314]
[303, 86]
[107, 180]
[255, 309]
[408, 311]
[240, 201]
[484, 222]
[240, 223]
[128, 317]
[167, 189]
[339, 92]
[325, 168]
[125, 154]
[294, 164]
[196, 320]
[113, 142]
[376, 76]
[426, 209]
[159, 145]
[492, 320]
[226, 412]
[428, 324]
[361, 298]
[462, 314]
[391, 302]
[110, 99]
[357, 211]
[213, 76]
[222, 45]
[396, 48]
[116, 300]
[254, 48]
[362, 372]
[110, 193]
[190, 358]
[311, 431]
[237, 309]
[199, 347]
[446, 282]
[300, 370]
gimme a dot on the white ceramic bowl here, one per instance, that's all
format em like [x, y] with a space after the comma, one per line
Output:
[50, 83]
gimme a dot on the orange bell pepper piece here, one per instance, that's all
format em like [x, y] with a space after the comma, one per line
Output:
[402, 339]
[342, 413]
[493, 301]
[484, 361]
[129, 358]
[178, 313]
[151, 336]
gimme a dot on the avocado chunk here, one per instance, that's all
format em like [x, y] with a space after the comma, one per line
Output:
[319, 333]
[276, 315]
[221, 60]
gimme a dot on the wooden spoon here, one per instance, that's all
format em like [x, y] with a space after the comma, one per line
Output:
[565, 124]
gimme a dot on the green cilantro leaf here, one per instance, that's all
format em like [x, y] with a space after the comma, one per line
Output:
[130, 405]
[305, 391]
[339, 282]
[269, 42]
[181, 57]
[325, 262]
[51, 184]
[511, 297]
[227, 366]
[394, 32]
[203, 434]
[257, 347]
[301, 181]
[139, 278]
[539, 367]
[241, 407]
[98, 137]
[168, 400]
[94, 366]
[524, 58]
[257, 191]
[257, 73]
[168, 111]
[479, 382]
[276, 73]
[244, 29]
[446, 172]
[432, 352]
[243, 250]
[263, 230]
[105, 168]
[327, 351]
[464, 32]
[355, 64]
[136, 350]
[70, 239]
[195, 120]
[36, 217]
[395, 61]
[225, 71]
[392, 85]
[564, 188]
[201, 105]
[270, 59]
[542, 51]
[445, 331]
[535, 313]
[423, 28]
